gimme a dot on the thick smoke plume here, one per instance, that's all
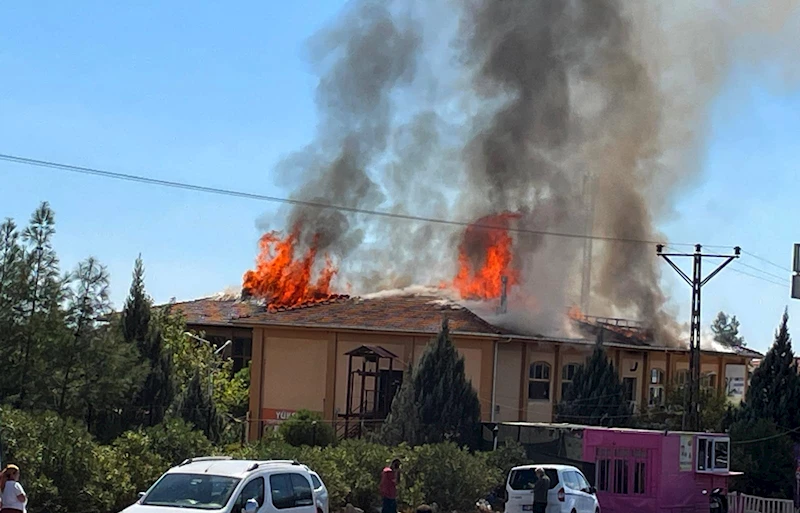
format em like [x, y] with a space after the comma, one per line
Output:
[465, 109]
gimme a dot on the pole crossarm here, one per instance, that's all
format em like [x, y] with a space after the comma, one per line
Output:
[691, 418]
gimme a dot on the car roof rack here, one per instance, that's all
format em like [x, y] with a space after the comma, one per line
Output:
[204, 458]
[273, 462]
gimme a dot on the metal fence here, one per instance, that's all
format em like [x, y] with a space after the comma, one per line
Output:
[741, 503]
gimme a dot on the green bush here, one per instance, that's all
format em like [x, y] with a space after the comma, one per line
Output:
[447, 475]
[175, 440]
[307, 428]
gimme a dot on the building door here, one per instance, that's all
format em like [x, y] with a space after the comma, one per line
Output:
[388, 385]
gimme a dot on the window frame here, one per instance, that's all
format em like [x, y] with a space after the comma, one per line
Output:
[681, 378]
[567, 381]
[546, 368]
[709, 454]
[623, 471]
[240, 500]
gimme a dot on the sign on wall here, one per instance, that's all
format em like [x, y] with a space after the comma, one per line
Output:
[686, 453]
[734, 382]
[276, 416]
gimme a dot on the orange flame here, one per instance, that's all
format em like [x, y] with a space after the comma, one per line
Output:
[283, 280]
[482, 279]
[575, 314]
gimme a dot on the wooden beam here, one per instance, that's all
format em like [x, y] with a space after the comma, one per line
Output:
[255, 406]
[523, 383]
[330, 377]
[645, 387]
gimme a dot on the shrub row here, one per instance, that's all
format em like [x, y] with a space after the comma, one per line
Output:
[66, 470]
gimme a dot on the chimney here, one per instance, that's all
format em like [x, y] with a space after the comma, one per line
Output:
[503, 298]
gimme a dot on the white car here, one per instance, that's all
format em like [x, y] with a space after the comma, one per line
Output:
[320, 492]
[225, 485]
[570, 492]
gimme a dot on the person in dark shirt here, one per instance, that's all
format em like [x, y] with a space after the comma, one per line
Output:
[540, 489]
[390, 477]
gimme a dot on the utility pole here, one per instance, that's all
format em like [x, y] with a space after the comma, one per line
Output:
[589, 197]
[691, 416]
[796, 272]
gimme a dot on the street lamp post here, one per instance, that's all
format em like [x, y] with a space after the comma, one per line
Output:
[215, 352]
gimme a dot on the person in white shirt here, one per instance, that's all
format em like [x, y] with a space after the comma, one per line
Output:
[12, 495]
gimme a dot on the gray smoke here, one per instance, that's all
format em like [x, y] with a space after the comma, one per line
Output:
[464, 109]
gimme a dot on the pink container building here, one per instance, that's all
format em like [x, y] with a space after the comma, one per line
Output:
[633, 469]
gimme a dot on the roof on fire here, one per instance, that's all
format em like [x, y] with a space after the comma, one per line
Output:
[407, 314]
[419, 314]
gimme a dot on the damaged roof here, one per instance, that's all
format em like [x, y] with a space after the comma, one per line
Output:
[406, 314]
[420, 314]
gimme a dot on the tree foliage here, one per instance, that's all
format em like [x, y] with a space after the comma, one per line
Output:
[437, 402]
[765, 453]
[307, 428]
[726, 330]
[595, 396]
[774, 391]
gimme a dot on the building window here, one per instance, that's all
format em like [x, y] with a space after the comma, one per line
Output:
[603, 469]
[709, 380]
[567, 375]
[639, 481]
[621, 477]
[622, 471]
[629, 389]
[539, 381]
[713, 454]
[682, 378]
[656, 397]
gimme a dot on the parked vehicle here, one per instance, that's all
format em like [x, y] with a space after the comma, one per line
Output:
[570, 492]
[320, 492]
[230, 486]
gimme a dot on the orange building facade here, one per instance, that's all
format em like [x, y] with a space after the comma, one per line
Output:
[345, 359]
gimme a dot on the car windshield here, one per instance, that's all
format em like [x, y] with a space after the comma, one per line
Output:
[192, 491]
[524, 479]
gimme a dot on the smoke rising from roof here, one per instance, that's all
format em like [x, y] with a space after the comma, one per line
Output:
[464, 109]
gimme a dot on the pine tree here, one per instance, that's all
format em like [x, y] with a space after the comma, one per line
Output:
[774, 391]
[197, 407]
[136, 313]
[726, 330]
[438, 402]
[140, 327]
[41, 305]
[596, 396]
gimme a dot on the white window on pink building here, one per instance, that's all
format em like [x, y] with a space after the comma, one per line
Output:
[622, 471]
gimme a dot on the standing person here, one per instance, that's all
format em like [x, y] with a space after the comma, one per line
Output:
[390, 477]
[12, 496]
[540, 489]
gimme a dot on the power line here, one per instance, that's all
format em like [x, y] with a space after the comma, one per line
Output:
[762, 271]
[766, 438]
[782, 268]
[311, 204]
[766, 280]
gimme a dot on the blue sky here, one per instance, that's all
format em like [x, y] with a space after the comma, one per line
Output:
[215, 95]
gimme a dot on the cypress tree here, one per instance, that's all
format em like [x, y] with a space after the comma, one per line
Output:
[774, 391]
[438, 403]
[595, 396]
[136, 313]
[140, 327]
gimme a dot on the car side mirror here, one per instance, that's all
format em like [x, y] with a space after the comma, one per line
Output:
[250, 506]
[593, 490]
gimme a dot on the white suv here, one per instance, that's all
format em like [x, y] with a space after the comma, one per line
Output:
[570, 492]
[230, 486]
